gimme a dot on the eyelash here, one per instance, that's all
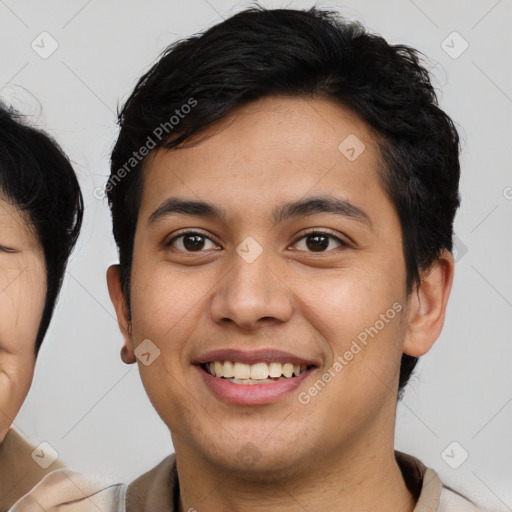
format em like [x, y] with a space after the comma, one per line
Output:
[326, 232]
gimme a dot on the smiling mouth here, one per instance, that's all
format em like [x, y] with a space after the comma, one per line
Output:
[258, 373]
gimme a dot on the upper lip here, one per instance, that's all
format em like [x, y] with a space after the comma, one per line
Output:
[252, 357]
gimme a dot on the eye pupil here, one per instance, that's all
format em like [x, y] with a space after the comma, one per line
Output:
[192, 242]
[317, 242]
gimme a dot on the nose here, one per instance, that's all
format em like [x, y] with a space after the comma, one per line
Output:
[252, 293]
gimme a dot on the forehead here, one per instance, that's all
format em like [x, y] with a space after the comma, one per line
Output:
[15, 224]
[274, 150]
[11, 215]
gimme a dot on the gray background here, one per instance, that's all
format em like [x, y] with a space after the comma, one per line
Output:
[91, 408]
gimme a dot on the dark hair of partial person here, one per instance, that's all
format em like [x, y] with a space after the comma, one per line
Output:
[37, 177]
[311, 53]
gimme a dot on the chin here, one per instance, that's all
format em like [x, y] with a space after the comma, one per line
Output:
[260, 460]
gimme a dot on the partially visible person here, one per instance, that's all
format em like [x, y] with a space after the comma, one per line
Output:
[41, 211]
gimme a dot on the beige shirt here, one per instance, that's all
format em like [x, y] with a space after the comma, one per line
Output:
[19, 472]
[158, 491]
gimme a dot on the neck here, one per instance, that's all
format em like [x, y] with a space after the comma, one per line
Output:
[367, 479]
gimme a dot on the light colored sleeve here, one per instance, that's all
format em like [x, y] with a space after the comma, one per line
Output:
[452, 501]
[68, 491]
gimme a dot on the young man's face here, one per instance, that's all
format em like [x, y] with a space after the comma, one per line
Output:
[250, 286]
[22, 296]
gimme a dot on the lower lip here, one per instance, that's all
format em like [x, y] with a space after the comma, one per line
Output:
[252, 394]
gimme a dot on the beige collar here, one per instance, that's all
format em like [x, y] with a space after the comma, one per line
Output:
[423, 482]
[158, 489]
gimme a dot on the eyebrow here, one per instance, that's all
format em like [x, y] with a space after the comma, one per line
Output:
[301, 208]
[321, 204]
[173, 205]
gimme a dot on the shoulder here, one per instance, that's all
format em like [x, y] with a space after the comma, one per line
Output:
[432, 495]
[68, 491]
[22, 466]
[452, 501]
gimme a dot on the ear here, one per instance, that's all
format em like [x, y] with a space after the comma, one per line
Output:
[123, 318]
[427, 306]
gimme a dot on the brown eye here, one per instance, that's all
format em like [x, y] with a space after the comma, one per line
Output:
[191, 242]
[319, 241]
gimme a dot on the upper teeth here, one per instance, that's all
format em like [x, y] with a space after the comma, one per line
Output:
[258, 371]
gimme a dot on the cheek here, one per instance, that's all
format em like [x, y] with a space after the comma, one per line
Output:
[359, 313]
[360, 380]
[159, 304]
[167, 308]
[21, 307]
[163, 305]
[16, 372]
[345, 303]
[166, 303]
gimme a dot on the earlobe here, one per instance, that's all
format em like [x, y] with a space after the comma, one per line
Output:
[123, 318]
[127, 355]
[427, 306]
